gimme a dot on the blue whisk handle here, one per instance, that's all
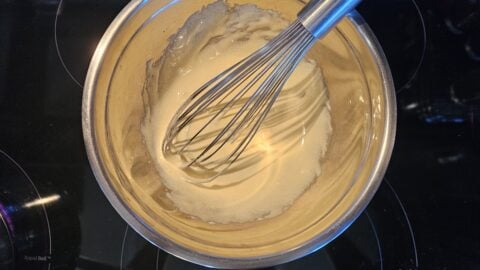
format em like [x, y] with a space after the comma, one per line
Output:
[319, 16]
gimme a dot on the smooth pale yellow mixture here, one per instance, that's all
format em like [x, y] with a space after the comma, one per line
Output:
[291, 143]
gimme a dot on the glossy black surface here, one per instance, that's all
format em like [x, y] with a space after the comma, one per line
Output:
[424, 216]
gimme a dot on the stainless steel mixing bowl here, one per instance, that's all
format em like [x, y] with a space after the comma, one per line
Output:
[363, 113]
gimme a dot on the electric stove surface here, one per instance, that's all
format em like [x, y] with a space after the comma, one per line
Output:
[425, 215]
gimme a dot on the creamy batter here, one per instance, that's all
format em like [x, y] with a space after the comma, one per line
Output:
[290, 144]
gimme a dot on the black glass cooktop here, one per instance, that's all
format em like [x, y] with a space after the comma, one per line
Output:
[425, 215]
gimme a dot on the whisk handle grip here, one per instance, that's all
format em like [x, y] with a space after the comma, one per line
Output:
[319, 16]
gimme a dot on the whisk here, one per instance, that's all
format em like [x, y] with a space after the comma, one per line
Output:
[241, 97]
